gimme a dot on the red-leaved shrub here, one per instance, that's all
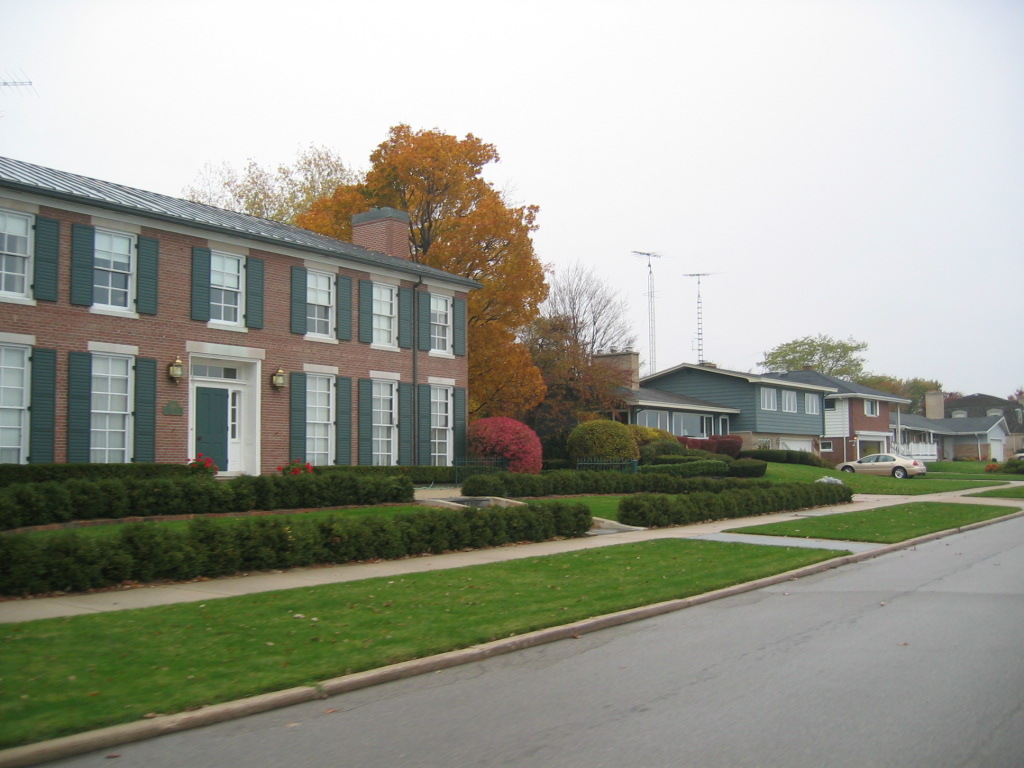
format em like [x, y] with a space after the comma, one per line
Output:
[730, 445]
[509, 439]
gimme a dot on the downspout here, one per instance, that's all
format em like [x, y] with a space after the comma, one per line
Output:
[417, 297]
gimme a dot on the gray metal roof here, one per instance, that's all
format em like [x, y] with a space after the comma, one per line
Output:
[845, 388]
[48, 182]
[969, 426]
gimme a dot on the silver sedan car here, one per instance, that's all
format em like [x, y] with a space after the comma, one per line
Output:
[885, 464]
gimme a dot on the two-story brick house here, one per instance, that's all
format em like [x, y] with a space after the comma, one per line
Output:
[856, 417]
[140, 327]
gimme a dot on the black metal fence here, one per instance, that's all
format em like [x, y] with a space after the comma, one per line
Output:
[473, 466]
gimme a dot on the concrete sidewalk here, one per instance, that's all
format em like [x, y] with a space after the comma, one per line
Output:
[606, 533]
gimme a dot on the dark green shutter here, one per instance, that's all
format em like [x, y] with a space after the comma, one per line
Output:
[47, 260]
[459, 326]
[423, 321]
[297, 417]
[83, 249]
[342, 420]
[405, 318]
[298, 306]
[366, 311]
[253, 292]
[201, 284]
[79, 406]
[145, 410]
[364, 416]
[406, 424]
[148, 269]
[43, 408]
[423, 457]
[460, 417]
[343, 291]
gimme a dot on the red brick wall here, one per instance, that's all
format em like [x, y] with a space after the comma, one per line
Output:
[61, 326]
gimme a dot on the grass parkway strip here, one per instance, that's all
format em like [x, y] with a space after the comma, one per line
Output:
[65, 676]
[887, 525]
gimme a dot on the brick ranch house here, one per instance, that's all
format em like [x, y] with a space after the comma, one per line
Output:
[140, 327]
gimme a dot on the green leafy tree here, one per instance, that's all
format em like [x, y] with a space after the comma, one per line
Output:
[833, 357]
[912, 389]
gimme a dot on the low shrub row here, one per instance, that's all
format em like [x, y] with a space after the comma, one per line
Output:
[566, 482]
[1010, 467]
[652, 510]
[700, 468]
[27, 504]
[785, 457]
[41, 473]
[69, 561]
[418, 475]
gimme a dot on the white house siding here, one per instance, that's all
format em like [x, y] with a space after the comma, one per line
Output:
[837, 422]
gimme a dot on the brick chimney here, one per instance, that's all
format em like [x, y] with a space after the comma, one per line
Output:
[628, 361]
[934, 405]
[382, 229]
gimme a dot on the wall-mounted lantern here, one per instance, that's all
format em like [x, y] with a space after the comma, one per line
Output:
[279, 379]
[176, 370]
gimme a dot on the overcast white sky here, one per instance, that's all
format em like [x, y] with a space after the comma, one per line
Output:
[846, 167]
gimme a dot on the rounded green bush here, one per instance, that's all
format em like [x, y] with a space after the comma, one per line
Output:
[602, 439]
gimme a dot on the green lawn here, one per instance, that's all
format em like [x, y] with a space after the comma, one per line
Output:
[917, 486]
[606, 507]
[958, 467]
[63, 676]
[886, 525]
[1015, 491]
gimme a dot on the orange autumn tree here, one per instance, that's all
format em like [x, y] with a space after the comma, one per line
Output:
[459, 223]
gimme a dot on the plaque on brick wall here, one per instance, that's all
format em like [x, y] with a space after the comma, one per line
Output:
[173, 408]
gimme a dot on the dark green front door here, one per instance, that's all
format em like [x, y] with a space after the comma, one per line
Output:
[212, 425]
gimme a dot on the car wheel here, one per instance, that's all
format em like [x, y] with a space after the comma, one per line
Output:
[847, 469]
[899, 473]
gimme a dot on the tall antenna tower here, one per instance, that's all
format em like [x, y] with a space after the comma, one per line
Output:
[650, 305]
[700, 316]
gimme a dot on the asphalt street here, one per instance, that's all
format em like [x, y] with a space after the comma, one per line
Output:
[911, 659]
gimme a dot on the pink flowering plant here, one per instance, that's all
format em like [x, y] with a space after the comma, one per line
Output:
[296, 467]
[202, 466]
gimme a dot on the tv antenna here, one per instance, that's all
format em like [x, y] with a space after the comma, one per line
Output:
[700, 315]
[19, 84]
[650, 305]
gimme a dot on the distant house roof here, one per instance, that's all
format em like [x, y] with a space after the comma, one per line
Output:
[979, 405]
[753, 378]
[969, 426]
[69, 187]
[646, 397]
[845, 389]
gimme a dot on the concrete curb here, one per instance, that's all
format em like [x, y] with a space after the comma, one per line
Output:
[104, 738]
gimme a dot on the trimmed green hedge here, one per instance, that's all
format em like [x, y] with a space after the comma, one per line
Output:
[702, 468]
[565, 482]
[41, 473]
[657, 510]
[28, 504]
[748, 468]
[785, 457]
[419, 475]
[69, 561]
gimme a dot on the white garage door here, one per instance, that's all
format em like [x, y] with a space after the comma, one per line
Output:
[795, 444]
[998, 454]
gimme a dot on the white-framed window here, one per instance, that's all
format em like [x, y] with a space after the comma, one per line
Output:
[110, 439]
[812, 403]
[385, 315]
[788, 401]
[385, 418]
[707, 426]
[440, 323]
[113, 271]
[320, 304]
[723, 425]
[678, 424]
[14, 401]
[826, 446]
[15, 253]
[870, 407]
[830, 405]
[227, 288]
[768, 399]
[319, 419]
[656, 419]
[441, 426]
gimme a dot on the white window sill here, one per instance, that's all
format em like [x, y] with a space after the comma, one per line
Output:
[439, 353]
[218, 326]
[385, 348]
[321, 339]
[113, 312]
[9, 299]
